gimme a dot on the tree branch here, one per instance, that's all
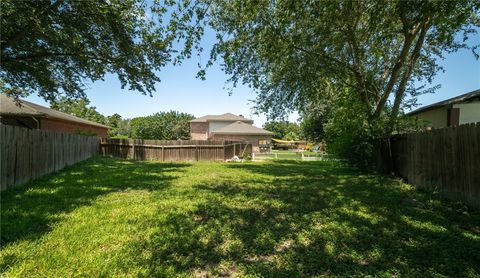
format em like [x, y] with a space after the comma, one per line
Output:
[406, 74]
[409, 38]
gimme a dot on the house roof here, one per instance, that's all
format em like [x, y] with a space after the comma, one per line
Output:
[461, 98]
[242, 128]
[10, 107]
[227, 117]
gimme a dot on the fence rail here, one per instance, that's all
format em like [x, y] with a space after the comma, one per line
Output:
[447, 158]
[163, 150]
[27, 154]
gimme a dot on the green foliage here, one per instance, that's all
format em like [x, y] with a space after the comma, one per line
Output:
[115, 218]
[298, 55]
[283, 130]
[79, 108]
[350, 136]
[290, 52]
[313, 123]
[120, 128]
[53, 47]
[119, 136]
[313, 127]
[114, 120]
[170, 125]
[123, 129]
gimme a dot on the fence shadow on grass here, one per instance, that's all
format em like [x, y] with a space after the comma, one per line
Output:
[29, 211]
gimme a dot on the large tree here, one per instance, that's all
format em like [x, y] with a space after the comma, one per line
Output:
[283, 129]
[294, 51]
[53, 47]
[170, 125]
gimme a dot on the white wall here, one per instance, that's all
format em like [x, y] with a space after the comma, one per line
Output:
[469, 112]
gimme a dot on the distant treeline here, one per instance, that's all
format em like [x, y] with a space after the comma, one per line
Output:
[171, 125]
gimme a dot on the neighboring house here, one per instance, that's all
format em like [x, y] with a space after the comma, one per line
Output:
[34, 116]
[232, 128]
[455, 111]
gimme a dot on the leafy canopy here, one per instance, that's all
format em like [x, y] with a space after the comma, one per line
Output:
[283, 129]
[170, 125]
[54, 47]
[293, 52]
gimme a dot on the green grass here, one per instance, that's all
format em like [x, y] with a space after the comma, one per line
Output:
[109, 217]
[282, 154]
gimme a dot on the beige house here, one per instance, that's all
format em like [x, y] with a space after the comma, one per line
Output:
[232, 128]
[455, 111]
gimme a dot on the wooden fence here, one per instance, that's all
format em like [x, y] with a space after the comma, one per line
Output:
[181, 150]
[27, 154]
[447, 158]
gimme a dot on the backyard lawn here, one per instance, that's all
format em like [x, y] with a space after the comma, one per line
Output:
[111, 217]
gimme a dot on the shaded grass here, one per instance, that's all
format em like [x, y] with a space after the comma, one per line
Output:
[110, 217]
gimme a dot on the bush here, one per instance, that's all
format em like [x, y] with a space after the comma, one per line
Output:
[350, 134]
[170, 125]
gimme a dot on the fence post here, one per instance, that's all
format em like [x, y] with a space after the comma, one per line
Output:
[253, 156]
[133, 149]
[224, 151]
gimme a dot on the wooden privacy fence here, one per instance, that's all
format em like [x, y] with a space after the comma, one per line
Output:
[180, 150]
[27, 154]
[447, 158]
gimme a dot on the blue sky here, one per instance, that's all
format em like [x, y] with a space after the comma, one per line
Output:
[180, 90]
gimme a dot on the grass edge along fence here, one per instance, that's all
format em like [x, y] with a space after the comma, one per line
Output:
[174, 150]
[445, 159]
[27, 154]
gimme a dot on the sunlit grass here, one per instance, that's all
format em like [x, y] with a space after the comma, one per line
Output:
[109, 217]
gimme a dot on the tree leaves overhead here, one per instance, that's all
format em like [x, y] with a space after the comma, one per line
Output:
[291, 51]
[55, 47]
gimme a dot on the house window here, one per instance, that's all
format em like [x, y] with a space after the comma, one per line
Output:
[262, 142]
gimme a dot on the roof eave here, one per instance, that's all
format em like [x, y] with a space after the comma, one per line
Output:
[22, 114]
[225, 120]
[77, 122]
[450, 101]
[220, 120]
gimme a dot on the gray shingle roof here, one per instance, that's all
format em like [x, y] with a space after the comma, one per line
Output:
[242, 128]
[457, 99]
[227, 117]
[8, 106]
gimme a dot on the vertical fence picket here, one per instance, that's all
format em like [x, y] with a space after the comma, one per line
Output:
[29, 154]
[447, 158]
